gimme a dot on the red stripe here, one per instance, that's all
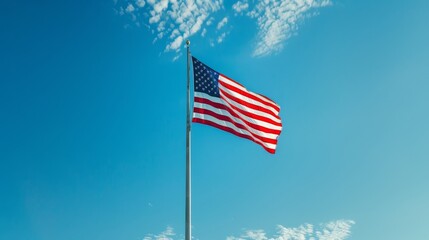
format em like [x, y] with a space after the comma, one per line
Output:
[253, 116]
[238, 125]
[224, 107]
[246, 93]
[249, 105]
[227, 129]
[220, 74]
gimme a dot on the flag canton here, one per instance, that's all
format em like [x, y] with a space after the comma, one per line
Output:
[205, 79]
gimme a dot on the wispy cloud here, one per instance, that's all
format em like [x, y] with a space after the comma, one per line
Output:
[334, 230]
[277, 20]
[221, 38]
[130, 8]
[140, 3]
[168, 234]
[203, 33]
[222, 23]
[174, 21]
[240, 7]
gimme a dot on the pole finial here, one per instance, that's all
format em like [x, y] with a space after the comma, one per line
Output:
[188, 42]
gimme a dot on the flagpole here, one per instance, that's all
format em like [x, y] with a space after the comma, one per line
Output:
[188, 234]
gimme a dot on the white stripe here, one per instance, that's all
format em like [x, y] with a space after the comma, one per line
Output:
[249, 100]
[244, 117]
[234, 128]
[247, 109]
[226, 80]
[237, 120]
[206, 96]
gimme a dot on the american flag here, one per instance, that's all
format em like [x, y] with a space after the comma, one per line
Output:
[225, 104]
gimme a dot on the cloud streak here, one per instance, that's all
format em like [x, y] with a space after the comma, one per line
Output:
[222, 23]
[168, 234]
[334, 230]
[240, 7]
[277, 20]
[173, 21]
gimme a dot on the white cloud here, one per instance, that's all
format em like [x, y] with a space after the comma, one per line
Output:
[175, 33]
[130, 8]
[177, 57]
[177, 20]
[168, 234]
[222, 23]
[255, 234]
[277, 20]
[221, 38]
[155, 19]
[197, 25]
[175, 44]
[140, 3]
[240, 6]
[334, 230]
[160, 6]
[210, 21]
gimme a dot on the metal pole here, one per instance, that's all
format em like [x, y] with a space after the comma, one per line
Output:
[188, 234]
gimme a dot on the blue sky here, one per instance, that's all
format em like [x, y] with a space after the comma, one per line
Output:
[92, 120]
